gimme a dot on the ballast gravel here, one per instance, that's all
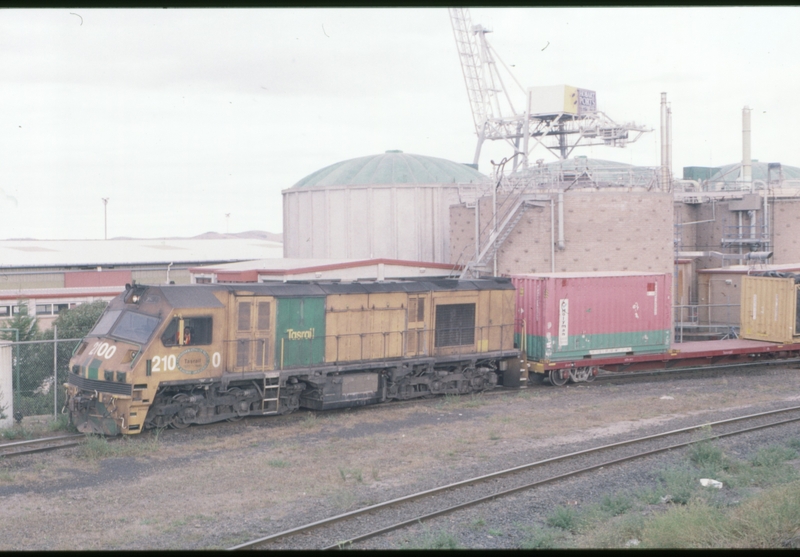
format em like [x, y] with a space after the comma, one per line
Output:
[220, 485]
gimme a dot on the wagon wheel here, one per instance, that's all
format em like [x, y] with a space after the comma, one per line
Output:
[556, 378]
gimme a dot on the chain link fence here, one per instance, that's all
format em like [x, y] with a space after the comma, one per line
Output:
[39, 370]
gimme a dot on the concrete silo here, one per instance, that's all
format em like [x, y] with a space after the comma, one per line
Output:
[393, 205]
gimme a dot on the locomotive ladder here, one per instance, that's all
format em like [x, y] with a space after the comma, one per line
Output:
[271, 395]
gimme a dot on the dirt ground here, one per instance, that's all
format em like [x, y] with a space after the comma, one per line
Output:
[216, 486]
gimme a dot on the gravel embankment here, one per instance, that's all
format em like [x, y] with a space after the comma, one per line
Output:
[219, 485]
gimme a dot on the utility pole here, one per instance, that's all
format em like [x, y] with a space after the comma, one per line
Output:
[105, 217]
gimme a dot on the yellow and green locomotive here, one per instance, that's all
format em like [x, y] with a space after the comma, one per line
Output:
[179, 355]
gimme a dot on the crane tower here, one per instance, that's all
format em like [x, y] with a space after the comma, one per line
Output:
[558, 118]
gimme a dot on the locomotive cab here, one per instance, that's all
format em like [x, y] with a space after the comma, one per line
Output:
[145, 337]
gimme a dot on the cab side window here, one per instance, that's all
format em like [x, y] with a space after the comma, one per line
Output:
[196, 332]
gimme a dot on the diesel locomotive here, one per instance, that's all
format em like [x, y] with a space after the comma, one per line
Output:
[179, 355]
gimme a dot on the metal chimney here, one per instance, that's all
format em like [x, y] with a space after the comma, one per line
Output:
[747, 163]
[664, 171]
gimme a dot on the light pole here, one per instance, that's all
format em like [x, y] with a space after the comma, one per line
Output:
[105, 217]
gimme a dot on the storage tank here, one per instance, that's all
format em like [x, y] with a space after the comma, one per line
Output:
[394, 205]
[566, 316]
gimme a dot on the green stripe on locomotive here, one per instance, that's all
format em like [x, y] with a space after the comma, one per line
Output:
[300, 330]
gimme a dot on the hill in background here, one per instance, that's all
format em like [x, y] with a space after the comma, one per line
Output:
[249, 235]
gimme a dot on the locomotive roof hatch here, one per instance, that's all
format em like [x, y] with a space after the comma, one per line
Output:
[189, 297]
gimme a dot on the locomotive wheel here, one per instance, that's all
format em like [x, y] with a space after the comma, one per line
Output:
[235, 418]
[177, 422]
[556, 378]
[591, 375]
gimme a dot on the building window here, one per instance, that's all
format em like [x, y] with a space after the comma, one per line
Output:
[202, 280]
[44, 309]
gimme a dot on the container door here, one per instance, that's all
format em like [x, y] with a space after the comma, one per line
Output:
[254, 322]
[300, 332]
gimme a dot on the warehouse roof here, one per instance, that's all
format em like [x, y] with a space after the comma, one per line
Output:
[391, 168]
[92, 253]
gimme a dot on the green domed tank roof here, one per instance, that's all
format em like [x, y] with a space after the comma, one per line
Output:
[758, 171]
[390, 168]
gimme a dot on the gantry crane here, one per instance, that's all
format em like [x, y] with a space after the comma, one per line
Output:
[496, 118]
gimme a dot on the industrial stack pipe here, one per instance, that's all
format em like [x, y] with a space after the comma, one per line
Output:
[747, 163]
[665, 175]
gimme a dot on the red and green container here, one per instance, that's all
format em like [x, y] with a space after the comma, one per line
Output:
[569, 316]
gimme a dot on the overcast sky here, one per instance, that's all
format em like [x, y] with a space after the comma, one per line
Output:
[180, 117]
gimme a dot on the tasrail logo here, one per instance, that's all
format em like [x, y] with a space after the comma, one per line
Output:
[300, 335]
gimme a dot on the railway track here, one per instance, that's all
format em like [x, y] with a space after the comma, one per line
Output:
[347, 529]
[19, 448]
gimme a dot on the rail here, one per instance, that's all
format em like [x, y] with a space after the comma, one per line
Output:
[263, 541]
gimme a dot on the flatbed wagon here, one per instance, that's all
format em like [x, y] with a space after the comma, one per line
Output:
[680, 355]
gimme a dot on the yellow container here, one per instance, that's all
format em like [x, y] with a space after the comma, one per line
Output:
[769, 309]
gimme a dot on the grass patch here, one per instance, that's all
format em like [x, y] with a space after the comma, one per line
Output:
[435, 540]
[708, 457]
[565, 518]
[615, 505]
[277, 463]
[477, 524]
[697, 517]
[621, 531]
[309, 421]
[95, 447]
[343, 499]
[450, 402]
[538, 537]
[679, 483]
[37, 428]
[354, 474]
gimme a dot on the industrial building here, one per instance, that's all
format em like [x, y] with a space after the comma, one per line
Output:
[574, 215]
[267, 270]
[50, 275]
[395, 205]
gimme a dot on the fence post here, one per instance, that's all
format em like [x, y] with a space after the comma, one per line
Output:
[6, 385]
[55, 372]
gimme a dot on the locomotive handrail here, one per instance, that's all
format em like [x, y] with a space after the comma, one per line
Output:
[380, 346]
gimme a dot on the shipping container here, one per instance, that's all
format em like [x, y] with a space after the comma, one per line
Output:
[555, 99]
[769, 309]
[566, 316]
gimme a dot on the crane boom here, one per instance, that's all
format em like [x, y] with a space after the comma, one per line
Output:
[495, 117]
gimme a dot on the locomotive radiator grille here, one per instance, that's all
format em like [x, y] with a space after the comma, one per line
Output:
[99, 386]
